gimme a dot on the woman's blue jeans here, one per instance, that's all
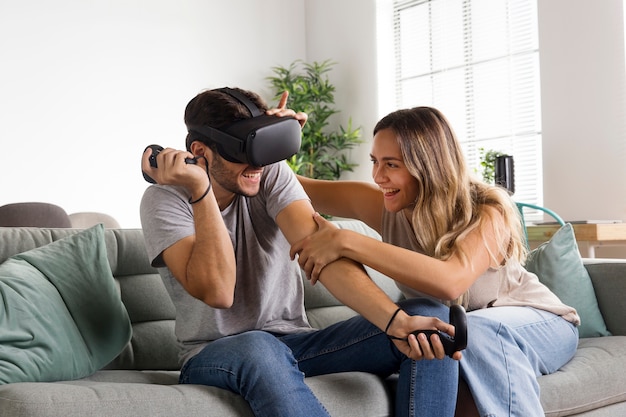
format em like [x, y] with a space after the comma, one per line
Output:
[268, 371]
[507, 349]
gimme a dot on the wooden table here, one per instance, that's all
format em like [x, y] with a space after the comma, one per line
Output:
[594, 234]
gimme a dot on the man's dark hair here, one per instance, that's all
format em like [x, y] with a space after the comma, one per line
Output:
[217, 109]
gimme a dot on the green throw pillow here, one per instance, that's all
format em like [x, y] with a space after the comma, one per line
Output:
[61, 317]
[559, 266]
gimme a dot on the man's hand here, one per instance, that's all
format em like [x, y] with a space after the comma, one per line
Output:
[173, 170]
[282, 111]
[419, 348]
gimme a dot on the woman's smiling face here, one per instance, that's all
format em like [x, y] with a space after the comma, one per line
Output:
[389, 172]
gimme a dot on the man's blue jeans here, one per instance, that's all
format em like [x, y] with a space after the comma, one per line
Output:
[268, 370]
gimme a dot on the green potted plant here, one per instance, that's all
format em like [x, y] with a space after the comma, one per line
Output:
[488, 163]
[322, 153]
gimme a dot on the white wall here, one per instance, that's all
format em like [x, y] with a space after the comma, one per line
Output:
[583, 85]
[358, 35]
[86, 85]
[583, 81]
[83, 89]
[345, 31]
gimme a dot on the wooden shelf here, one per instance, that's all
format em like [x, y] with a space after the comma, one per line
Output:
[594, 234]
[583, 232]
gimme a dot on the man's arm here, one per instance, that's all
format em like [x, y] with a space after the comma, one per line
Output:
[204, 263]
[351, 285]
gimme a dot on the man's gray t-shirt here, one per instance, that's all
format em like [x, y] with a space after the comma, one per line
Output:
[269, 293]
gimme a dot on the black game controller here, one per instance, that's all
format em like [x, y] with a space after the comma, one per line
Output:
[459, 321]
[156, 149]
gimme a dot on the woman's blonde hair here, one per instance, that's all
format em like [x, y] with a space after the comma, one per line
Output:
[450, 202]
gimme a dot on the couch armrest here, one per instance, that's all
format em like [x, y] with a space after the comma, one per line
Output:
[609, 282]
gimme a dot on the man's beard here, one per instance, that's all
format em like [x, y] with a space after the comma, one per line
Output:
[221, 174]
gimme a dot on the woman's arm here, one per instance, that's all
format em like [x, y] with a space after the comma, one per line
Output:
[442, 279]
[446, 280]
[351, 285]
[350, 199]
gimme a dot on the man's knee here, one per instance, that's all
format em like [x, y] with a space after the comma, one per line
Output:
[253, 353]
[259, 346]
[425, 307]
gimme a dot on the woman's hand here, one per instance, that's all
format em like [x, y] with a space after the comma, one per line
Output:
[282, 111]
[319, 249]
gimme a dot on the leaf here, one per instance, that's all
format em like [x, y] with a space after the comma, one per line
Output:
[321, 154]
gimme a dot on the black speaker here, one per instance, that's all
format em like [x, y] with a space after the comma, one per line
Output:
[505, 172]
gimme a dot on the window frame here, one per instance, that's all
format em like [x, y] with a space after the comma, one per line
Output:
[522, 137]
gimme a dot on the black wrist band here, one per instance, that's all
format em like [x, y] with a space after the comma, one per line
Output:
[393, 316]
[206, 168]
[203, 195]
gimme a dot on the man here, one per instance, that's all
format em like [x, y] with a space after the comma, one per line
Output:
[220, 232]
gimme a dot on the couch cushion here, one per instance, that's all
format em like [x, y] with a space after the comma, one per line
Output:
[595, 377]
[133, 393]
[559, 266]
[609, 281]
[61, 316]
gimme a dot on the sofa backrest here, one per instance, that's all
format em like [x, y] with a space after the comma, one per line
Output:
[152, 314]
[33, 214]
[153, 345]
[609, 283]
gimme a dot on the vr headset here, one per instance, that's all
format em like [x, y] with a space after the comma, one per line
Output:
[260, 140]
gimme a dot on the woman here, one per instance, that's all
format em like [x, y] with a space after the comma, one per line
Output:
[449, 236]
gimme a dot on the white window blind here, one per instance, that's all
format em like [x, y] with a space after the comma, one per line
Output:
[478, 62]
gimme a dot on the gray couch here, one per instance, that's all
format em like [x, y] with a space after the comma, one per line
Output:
[142, 380]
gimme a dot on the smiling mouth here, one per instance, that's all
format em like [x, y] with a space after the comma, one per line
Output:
[390, 191]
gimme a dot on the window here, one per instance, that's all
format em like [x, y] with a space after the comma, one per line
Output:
[478, 62]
